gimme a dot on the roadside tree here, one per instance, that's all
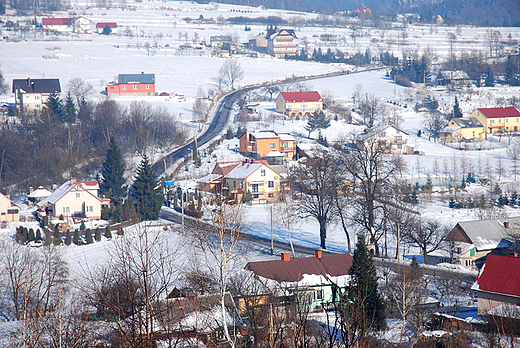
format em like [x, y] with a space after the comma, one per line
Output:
[146, 191]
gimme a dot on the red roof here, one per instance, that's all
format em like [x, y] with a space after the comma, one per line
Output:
[509, 111]
[293, 270]
[111, 25]
[500, 274]
[298, 97]
[56, 21]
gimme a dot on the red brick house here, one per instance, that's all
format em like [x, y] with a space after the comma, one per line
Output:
[132, 84]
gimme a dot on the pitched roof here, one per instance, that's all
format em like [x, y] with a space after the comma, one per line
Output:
[293, 270]
[453, 75]
[37, 85]
[275, 32]
[499, 275]
[66, 188]
[470, 122]
[509, 111]
[485, 234]
[136, 78]
[41, 192]
[57, 21]
[111, 25]
[299, 97]
[376, 130]
[243, 170]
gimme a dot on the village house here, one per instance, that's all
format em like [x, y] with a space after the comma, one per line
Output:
[470, 128]
[314, 279]
[498, 120]
[268, 144]
[132, 85]
[9, 211]
[100, 26]
[455, 78]
[281, 43]
[31, 94]
[395, 139]
[60, 25]
[35, 196]
[74, 199]
[257, 178]
[476, 239]
[259, 43]
[450, 134]
[498, 287]
[82, 25]
[298, 104]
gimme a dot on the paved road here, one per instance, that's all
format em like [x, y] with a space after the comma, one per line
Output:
[217, 125]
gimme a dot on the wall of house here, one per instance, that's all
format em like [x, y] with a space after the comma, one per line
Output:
[32, 101]
[131, 89]
[264, 146]
[8, 211]
[73, 202]
[59, 28]
[487, 301]
[264, 192]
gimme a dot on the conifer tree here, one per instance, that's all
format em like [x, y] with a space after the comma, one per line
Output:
[55, 105]
[38, 235]
[57, 236]
[317, 121]
[108, 233]
[113, 182]
[30, 235]
[68, 238]
[77, 238]
[70, 110]
[457, 113]
[362, 309]
[82, 225]
[490, 78]
[88, 236]
[128, 210]
[146, 191]
[97, 236]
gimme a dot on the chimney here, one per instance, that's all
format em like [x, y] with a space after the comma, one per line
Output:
[8, 196]
[286, 256]
[142, 72]
[29, 81]
[318, 254]
[506, 224]
[73, 181]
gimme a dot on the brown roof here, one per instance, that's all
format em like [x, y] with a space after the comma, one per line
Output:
[293, 270]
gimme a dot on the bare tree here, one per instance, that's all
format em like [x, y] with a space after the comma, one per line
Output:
[230, 73]
[372, 109]
[514, 154]
[434, 123]
[426, 234]
[315, 181]
[80, 90]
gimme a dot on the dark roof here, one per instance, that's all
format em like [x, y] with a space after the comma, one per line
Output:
[500, 275]
[37, 85]
[271, 32]
[293, 270]
[509, 111]
[471, 122]
[136, 78]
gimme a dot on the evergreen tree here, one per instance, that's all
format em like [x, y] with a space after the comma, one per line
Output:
[82, 225]
[70, 110]
[361, 306]
[68, 238]
[113, 182]
[490, 78]
[38, 235]
[57, 236]
[229, 133]
[146, 191]
[317, 120]
[55, 105]
[88, 236]
[77, 238]
[128, 210]
[97, 235]
[106, 30]
[30, 235]
[457, 113]
[108, 233]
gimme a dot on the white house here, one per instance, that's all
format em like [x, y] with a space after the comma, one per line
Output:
[82, 25]
[394, 138]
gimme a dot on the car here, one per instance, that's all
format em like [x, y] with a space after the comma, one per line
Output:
[164, 94]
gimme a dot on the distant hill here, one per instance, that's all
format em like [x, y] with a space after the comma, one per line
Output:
[475, 12]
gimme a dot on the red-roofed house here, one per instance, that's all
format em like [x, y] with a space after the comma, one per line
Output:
[74, 199]
[100, 26]
[498, 120]
[498, 284]
[298, 103]
[62, 25]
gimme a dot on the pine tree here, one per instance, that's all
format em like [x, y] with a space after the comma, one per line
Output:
[88, 236]
[38, 235]
[128, 210]
[30, 235]
[490, 78]
[68, 238]
[146, 191]
[97, 235]
[317, 120]
[77, 238]
[82, 225]
[113, 182]
[361, 306]
[70, 110]
[108, 233]
[57, 236]
[457, 113]
[229, 134]
[55, 105]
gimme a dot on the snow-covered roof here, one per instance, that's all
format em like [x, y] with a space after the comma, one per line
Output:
[484, 234]
[285, 137]
[274, 154]
[210, 178]
[243, 170]
[41, 192]
[376, 130]
[453, 75]
[66, 188]
[265, 135]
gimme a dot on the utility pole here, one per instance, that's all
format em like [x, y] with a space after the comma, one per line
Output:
[272, 246]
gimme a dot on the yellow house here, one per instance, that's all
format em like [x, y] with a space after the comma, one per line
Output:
[74, 199]
[298, 103]
[498, 120]
[470, 128]
[258, 178]
[8, 210]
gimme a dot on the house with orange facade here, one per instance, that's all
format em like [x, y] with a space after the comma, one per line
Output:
[132, 85]
[498, 120]
[298, 104]
[268, 144]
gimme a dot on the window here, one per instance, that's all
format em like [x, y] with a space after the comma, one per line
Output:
[270, 184]
[241, 184]
[256, 196]
[318, 294]
[398, 137]
[66, 209]
[270, 195]
[272, 145]
[254, 188]
[507, 120]
[499, 121]
[399, 146]
[134, 86]
[147, 86]
[289, 106]
[284, 145]
[492, 122]
[262, 172]
[12, 211]
[90, 208]
[304, 106]
[234, 183]
[78, 195]
[124, 88]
